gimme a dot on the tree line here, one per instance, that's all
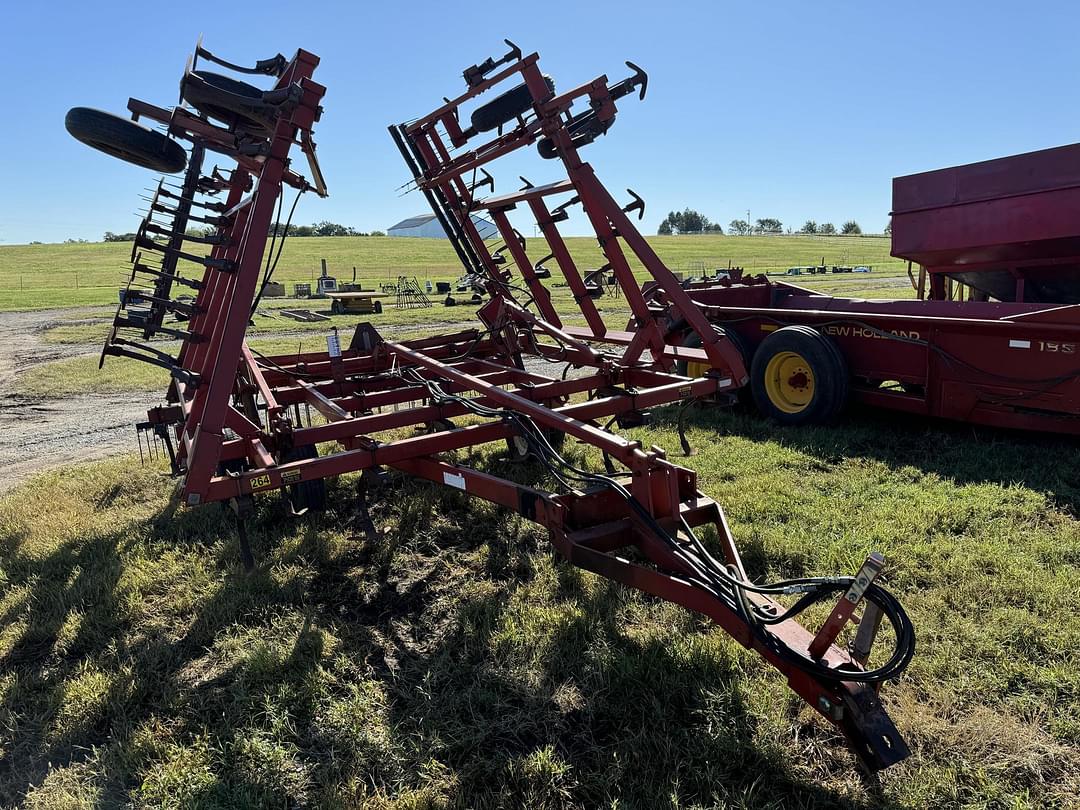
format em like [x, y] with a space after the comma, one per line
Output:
[277, 229]
[690, 221]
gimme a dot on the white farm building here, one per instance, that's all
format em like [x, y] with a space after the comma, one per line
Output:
[427, 227]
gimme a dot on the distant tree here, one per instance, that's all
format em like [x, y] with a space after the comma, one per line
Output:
[850, 228]
[377, 233]
[685, 221]
[665, 228]
[74, 241]
[826, 228]
[768, 225]
[888, 228]
[319, 229]
[35, 242]
[809, 226]
[329, 229]
[714, 227]
[739, 227]
[119, 237]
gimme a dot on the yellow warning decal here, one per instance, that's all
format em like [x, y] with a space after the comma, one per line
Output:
[769, 327]
[260, 482]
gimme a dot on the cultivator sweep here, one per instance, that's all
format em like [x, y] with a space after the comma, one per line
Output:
[234, 422]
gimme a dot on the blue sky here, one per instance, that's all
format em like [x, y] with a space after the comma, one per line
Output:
[792, 110]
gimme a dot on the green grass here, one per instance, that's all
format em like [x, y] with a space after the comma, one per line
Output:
[439, 667]
[274, 334]
[48, 273]
[45, 276]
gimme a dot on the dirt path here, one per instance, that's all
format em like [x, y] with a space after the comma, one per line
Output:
[37, 433]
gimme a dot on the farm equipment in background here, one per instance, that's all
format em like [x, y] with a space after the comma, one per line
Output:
[325, 283]
[356, 302]
[234, 425]
[1006, 229]
[410, 295]
[1000, 364]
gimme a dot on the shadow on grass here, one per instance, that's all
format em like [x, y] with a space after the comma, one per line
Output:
[966, 454]
[573, 709]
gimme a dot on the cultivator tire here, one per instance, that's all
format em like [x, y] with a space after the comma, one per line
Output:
[518, 449]
[307, 496]
[123, 138]
[798, 377]
[224, 99]
[505, 108]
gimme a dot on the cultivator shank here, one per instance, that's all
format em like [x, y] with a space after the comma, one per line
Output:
[242, 424]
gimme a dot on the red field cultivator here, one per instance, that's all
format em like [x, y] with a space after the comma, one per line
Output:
[234, 425]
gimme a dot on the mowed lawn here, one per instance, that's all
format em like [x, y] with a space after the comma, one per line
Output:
[454, 662]
[45, 276]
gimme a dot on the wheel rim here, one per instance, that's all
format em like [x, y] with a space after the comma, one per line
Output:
[789, 382]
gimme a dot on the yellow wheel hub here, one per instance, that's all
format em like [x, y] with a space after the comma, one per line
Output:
[789, 382]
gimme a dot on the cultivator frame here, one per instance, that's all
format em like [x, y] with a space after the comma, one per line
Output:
[235, 416]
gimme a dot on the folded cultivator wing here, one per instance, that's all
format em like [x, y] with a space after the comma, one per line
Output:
[235, 427]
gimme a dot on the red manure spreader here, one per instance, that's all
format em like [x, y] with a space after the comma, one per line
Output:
[993, 339]
[237, 424]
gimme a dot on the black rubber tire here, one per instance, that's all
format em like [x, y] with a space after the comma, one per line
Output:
[843, 380]
[582, 134]
[518, 449]
[125, 139]
[309, 495]
[336, 307]
[693, 341]
[439, 426]
[204, 102]
[506, 107]
[825, 363]
[378, 307]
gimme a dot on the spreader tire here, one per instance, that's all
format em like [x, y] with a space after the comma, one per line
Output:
[797, 377]
[378, 307]
[125, 139]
